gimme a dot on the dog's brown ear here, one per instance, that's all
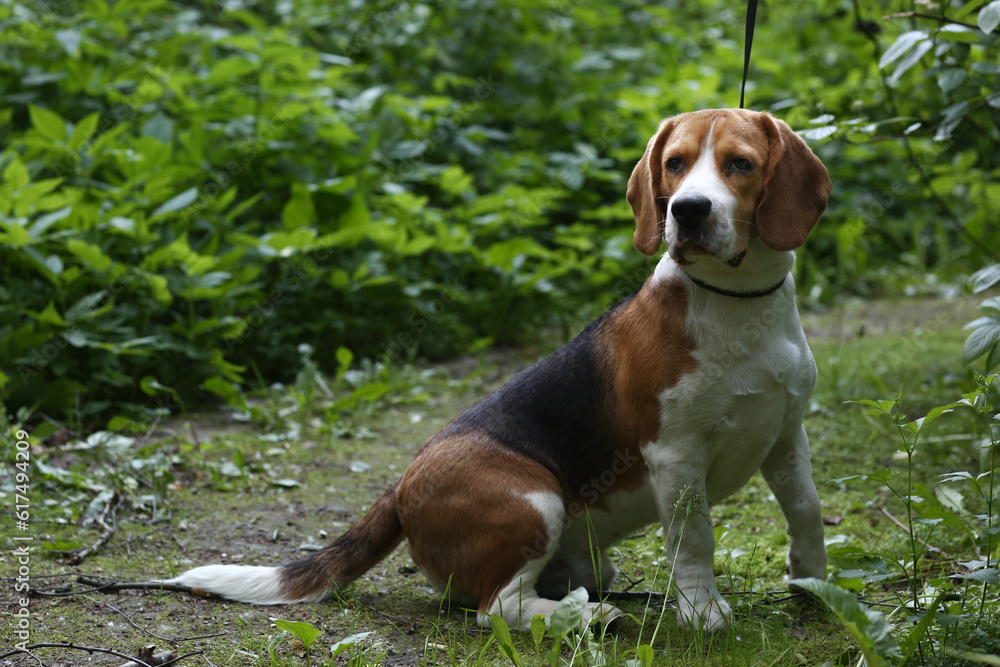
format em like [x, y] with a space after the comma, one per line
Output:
[795, 191]
[643, 193]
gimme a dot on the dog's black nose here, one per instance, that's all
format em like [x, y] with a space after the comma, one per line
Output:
[691, 211]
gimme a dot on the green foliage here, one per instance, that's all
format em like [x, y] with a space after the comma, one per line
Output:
[949, 607]
[190, 191]
[868, 627]
[985, 337]
[304, 630]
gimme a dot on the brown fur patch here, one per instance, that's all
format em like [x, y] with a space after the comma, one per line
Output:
[467, 524]
[646, 351]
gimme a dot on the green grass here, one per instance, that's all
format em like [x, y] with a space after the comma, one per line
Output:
[227, 501]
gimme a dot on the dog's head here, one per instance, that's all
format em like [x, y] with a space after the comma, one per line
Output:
[711, 180]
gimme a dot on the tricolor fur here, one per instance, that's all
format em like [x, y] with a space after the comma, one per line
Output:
[668, 402]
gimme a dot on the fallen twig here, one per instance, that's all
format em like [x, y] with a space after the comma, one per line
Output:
[149, 658]
[116, 586]
[106, 533]
[132, 623]
[76, 647]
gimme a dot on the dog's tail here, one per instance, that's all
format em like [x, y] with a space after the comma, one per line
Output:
[307, 580]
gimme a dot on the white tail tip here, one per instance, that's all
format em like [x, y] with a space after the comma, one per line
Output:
[243, 583]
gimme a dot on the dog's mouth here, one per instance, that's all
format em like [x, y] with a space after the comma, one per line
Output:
[685, 254]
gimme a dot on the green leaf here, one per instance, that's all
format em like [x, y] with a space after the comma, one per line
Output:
[89, 254]
[959, 33]
[357, 214]
[502, 254]
[16, 235]
[160, 127]
[909, 60]
[16, 175]
[347, 642]
[344, 359]
[983, 339]
[903, 43]
[537, 629]
[70, 40]
[644, 654]
[950, 498]
[989, 17]
[51, 316]
[455, 181]
[568, 614]
[227, 391]
[83, 131]
[48, 123]
[502, 634]
[868, 627]
[177, 203]
[301, 629]
[986, 575]
[985, 278]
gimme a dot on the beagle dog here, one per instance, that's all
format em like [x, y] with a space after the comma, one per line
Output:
[668, 402]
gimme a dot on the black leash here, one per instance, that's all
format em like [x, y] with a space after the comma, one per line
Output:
[748, 44]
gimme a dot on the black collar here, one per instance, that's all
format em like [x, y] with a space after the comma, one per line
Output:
[739, 295]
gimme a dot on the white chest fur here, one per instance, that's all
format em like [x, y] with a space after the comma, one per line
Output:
[755, 374]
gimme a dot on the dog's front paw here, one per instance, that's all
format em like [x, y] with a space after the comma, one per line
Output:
[710, 614]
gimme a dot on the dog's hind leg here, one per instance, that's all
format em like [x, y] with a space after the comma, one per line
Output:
[517, 600]
[483, 522]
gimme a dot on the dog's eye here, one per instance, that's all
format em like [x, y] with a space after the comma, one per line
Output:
[742, 165]
[675, 164]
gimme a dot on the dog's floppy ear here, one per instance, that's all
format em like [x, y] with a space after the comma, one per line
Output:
[795, 191]
[643, 190]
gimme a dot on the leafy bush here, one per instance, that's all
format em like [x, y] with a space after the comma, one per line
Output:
[192, 190]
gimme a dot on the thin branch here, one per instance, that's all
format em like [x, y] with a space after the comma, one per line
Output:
[130, 621]
[919, 15]
[191, 639]
[75, 647]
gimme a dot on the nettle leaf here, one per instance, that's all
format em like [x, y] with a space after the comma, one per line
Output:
[950, 498]
[989, 17]
[986, 575]
[868, 627]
